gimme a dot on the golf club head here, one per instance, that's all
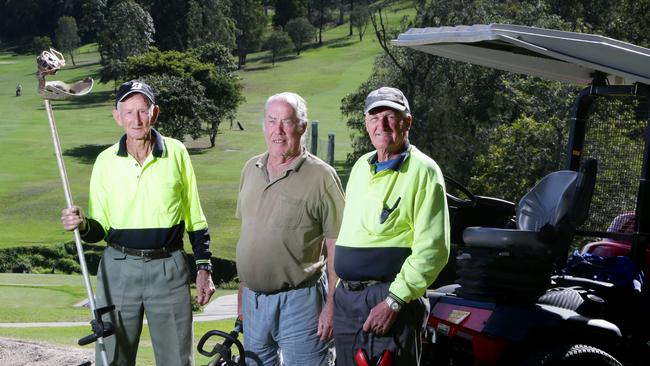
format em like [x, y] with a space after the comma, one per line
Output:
[48, 63]
[56, 90]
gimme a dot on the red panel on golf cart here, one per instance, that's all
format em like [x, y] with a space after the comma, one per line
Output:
[470, 317]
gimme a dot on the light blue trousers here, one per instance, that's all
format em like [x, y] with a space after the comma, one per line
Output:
[285, 321]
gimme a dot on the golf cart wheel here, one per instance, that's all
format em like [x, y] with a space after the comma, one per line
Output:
[579, 355]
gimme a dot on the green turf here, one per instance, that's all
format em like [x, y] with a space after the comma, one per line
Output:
[48, 298]
[30, 187]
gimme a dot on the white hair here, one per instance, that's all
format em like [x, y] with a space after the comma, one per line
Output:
[296, 102]
[299, 107]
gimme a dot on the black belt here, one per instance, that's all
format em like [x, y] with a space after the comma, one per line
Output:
[359, 285]
[164, 252]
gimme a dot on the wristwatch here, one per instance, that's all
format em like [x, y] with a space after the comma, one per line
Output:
[204, 266]
[393, 304]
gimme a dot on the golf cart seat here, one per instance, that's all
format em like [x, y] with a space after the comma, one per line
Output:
[516, 264]
[549, 212]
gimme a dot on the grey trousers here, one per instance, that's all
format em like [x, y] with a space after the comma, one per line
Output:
[351, 309]
[157, 288]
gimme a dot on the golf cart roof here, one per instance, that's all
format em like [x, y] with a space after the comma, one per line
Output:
[549, 54]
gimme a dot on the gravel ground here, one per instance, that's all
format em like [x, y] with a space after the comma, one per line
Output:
[15, 352]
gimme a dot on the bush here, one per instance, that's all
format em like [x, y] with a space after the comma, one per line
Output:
[63, 258]
[40, 44]
[67, 265]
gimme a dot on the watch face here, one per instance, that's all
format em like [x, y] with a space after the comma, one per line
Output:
[394, 306]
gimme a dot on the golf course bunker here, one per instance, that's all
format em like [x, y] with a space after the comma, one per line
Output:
[14, 352]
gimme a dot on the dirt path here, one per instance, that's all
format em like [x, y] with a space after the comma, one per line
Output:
[27, 353]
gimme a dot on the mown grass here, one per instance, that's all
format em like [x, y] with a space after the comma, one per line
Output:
[47, 298]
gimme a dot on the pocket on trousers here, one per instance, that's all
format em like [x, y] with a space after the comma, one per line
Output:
[177, 267]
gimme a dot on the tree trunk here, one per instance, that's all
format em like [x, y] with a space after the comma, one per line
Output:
[72, 58]
[241, 60]
[213, 133]
[350, 13]
[320, 26]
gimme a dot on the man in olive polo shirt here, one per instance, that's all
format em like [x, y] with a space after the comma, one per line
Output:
[393, 242]
[143, 197]
[290, 205]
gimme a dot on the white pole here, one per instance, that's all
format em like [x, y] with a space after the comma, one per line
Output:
[77, 236]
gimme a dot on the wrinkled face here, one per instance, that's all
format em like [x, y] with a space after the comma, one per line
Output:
[282, 131]
[135, 116]
[387, 128]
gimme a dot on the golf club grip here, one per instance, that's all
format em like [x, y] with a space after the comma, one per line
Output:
[88, 339]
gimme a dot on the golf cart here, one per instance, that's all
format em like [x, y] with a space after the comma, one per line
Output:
[515, 300]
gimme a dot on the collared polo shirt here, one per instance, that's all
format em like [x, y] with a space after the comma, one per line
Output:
[410, 245]
[284, 222]
[147, 206]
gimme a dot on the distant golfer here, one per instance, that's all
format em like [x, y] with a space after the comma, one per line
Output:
[143, 197]
[19, 90]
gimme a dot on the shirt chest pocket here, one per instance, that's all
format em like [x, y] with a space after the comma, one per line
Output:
[380, 220]
[287, 212]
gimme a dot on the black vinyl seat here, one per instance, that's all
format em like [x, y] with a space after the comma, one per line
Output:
[516, 264]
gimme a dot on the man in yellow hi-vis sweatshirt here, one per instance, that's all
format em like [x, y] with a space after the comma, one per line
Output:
[393, 243]
[143, 197]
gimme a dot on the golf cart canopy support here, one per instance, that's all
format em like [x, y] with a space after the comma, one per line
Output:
[549, 54]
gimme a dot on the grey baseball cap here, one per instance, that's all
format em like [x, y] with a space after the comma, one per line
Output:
[134, 86]
[387, 97]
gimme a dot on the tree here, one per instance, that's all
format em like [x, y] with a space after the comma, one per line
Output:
[321, 7]
[227, 90]
[222, 87]
[93, 19]
[300, 31]
[129, 31]
[67, 37]
[519, 154]
[250, 21]
[183, 105]
[359, 18]
[351, 9]
[278, 44]
[286, 10]
[40, 44]
[216, 54]
[209, 21]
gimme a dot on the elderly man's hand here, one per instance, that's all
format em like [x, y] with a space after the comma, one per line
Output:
[380, 319]
[72, 218]
[326, 321]
[204, 287]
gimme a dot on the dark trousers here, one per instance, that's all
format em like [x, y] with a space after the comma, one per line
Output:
[351, 309]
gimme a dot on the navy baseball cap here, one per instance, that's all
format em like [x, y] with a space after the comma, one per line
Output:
[387, 97]
[134, 86]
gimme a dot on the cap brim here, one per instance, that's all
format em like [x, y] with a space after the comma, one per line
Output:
[135, 91]
[384, 103]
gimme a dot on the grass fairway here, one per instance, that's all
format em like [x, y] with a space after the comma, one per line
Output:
[68, 337]
[30, 187]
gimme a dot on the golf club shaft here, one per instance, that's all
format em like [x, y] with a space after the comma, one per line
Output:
[77, 235]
